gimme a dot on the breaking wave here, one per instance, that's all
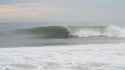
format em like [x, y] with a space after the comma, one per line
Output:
[74, 31]
[95, 31]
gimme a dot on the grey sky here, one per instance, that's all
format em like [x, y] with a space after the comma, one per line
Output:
[62, 10]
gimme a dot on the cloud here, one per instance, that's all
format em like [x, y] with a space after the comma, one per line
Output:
[19, 1]
[38, 10]
[27, 12]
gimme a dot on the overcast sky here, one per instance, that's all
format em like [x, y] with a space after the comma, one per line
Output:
[62, 10]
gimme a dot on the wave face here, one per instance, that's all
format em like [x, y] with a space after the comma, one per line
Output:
[47, 32]
[74, 31]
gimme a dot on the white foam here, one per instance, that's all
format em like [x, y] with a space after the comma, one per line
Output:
[86, 33]
[113, 31]
[73, 57]
[110, 31]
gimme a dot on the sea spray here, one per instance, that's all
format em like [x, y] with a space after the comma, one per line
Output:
[114, 31]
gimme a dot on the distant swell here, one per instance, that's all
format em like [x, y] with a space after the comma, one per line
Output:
[73, 31]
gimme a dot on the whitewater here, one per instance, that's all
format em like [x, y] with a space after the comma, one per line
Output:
[70, 57]
[98, 31]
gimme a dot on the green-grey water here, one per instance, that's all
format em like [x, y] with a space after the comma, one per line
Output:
[14, 35]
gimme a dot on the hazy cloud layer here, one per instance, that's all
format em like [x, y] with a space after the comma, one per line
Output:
[65, 10]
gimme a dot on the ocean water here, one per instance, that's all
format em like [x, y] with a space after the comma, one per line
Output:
[16, 35]
[58, 47]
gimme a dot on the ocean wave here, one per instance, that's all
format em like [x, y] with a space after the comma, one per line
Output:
[46, 32]
[74, 31]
